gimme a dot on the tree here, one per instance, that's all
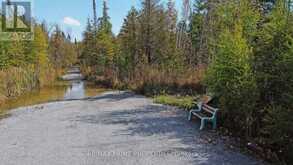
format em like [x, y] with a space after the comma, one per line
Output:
[104, 46]
[55, 50]
[172, 59]
[128, 57]
[182, 28]
[95, 24]
[171, 16]
[196, 31]
[61, 53]
[148, 25]
[40, 50]
[273, 63]
[230, 75]
[104, 21]
[230, 78]
[88, 45]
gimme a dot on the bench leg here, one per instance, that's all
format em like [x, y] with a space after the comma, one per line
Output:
[190, 116]
[202, 124]
[215, 123]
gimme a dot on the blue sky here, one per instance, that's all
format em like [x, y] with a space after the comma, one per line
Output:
[72, 15]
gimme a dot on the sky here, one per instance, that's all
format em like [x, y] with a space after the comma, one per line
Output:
[72, 15]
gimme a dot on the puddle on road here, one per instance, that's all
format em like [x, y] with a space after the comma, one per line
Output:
[75, 91]
[60, 91]
[80, 90]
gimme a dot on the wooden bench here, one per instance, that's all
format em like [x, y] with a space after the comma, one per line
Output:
[206, 113]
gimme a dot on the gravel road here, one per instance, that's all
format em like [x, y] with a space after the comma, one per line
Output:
[115, 128]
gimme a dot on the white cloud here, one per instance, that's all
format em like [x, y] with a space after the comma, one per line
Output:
[71, 21]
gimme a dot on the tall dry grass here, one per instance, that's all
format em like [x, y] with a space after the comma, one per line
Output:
[15, 81]
[154, 81]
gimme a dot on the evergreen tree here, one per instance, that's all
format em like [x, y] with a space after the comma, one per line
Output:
[246, 45]
[129, 58]
[173, 60]
[196, 30]
[148, 26]
[104, 21]
[273, 66]
[105, 43]
[88, 44]
[230, 75]
[274, 44]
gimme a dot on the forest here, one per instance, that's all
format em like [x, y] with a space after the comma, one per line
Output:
[239, 51]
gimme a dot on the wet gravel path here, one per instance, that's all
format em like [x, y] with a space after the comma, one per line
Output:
[115, 128]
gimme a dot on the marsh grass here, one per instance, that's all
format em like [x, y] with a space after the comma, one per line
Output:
[184, 102]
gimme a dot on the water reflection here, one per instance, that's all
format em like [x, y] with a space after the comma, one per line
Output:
[72, 88]
[60, 91]
[75, 91]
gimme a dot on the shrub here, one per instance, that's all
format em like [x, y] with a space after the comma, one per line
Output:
[273, 65]
[230, 78]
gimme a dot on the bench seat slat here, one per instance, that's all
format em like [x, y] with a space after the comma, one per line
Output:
[208, 110]
[211, 108]
[198, 115]
[202, 115]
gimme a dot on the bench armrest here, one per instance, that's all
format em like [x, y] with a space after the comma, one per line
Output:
[199, 106]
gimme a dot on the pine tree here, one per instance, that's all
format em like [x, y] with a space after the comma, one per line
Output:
[273, 66]
[129, 58]
[148, 25]
[104, 21]
[95, 22]
[196, 31]
[105, 47]
[87, 43]
[174, 61]
[272, 46]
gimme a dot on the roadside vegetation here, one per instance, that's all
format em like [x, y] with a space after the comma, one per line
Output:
[240, 51]
[29, 65]
[184, 102]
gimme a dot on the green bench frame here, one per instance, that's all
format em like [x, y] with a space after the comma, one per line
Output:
[204, 119]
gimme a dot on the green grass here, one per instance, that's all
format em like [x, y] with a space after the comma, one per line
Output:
[186, 102]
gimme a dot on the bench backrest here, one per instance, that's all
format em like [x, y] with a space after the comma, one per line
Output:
[209, 109]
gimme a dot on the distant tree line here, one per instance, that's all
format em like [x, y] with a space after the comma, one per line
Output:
[31, 64]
